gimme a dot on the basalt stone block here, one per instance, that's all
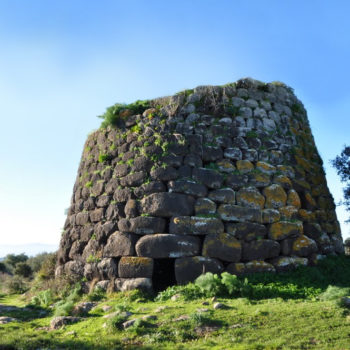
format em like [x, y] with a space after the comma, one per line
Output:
[145, 225]
[304, 246]
[229, 212]
[275, 195]
[189, 268]
[261, 249]
[222, 246]
[188, 187]
[211, 154]
[125, 284]
[250, 197]
[103, 231]
[134, 267]
[284, 229]
[246, 231]
[204, 206]
[193, 225]
[120, 244]
[237, 269]
[149, 188]
[97, 215]
[269, 216]
[208, 177]
[223, 195]
[258, 266]
[236, 181]
[107, 268]
[82, 218]
[74, 268]
[167, 204]
[167, 246]
[233, 153]
[287, 263]
[164, 174]
[313, 230]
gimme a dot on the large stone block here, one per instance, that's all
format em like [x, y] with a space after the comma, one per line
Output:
[260, 250]
[275, 195]
[120, 244]
[189, 268]
[229, 212]
[193, 225]
[142, 225]
[167, 204]
[125, 284]
[208, 177]
[223, 195]
[284, 229]
[250, 197]
[247, 231]
[167, 246]
[304, 246]
[222, 246]
[134, 267]
[188, 187]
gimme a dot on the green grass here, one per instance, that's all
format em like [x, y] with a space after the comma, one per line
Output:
[296, 310]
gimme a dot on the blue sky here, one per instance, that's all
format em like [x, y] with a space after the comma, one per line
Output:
[63, 62]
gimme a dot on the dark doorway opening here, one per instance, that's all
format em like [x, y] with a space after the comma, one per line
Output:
[163, 274]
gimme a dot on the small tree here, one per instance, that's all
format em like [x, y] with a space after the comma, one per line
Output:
[23, 269]
[13, 259]
[342, 164]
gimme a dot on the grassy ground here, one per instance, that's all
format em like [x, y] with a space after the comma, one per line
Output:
[313, 319]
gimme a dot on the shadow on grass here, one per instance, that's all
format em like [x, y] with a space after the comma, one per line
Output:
[26, 313]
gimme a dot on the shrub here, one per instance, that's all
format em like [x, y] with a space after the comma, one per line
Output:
[13, 259]
[334, 293]
[65, 306]
[23, 269]
[36, 261]
[42, 299]
[210, 284]
[16, 285]
[113, 115]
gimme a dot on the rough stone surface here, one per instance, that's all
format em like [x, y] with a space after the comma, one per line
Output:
[189, 268]
[167, 246]
[222, 246]
[221, 177]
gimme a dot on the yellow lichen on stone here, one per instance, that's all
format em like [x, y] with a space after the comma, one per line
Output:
[265, 168]
[283, 180]
[250, 197]
[288, 212]
[286, 170]
[244, 166]
[225, 166]
[303, 163]
[293, 199]
[261, 179]
[134, 260]
[283, 229]
[306, 215]
[275, 196]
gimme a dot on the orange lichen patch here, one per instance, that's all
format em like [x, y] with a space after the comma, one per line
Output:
[293, 199]
[224, 238]
[244, 166]
[226, 166]
[250, 197]
[134, 260]
[303, 183]
[284, 229]
[289, 212]
[302, 162]
[265, 168]
[306, 215]
[283, 180]
[275, 195]
[310, 200]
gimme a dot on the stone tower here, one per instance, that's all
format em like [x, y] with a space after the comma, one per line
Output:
[218, 178]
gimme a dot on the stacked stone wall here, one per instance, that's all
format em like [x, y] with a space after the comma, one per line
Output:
[219, 178]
